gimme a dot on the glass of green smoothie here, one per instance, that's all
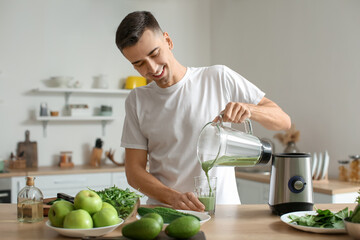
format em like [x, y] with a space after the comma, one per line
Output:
[205, 191]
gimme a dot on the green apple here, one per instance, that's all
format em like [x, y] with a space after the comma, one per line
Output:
[108, 205]
[105, 217]
[58, 211]
[78, 219]
[88, 200]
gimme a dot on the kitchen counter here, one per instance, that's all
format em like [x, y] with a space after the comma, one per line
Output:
[330, 187]
[55, 170]
[231, 222]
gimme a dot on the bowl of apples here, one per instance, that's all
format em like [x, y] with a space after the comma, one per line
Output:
[88, 216]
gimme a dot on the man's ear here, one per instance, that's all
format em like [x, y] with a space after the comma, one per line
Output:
[168, 40]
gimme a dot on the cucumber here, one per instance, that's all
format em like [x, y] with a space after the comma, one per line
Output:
[168, 214]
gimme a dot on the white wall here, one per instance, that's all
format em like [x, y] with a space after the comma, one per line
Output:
[306, 56]
[44, 38]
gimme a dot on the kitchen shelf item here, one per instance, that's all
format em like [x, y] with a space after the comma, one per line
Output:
[354, 169]
[314, 164]
[343, 170]
[132, 82]
[68, 91]
[318, 167]
[66, 159]
[325, 167]
[29, 150]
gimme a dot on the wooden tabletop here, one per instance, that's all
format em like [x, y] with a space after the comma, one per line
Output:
[231, 222]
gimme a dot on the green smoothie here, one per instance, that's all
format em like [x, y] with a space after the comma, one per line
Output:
[209, 203]
[223, 161]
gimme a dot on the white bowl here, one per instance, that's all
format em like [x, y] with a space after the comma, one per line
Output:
[93, 232]
[61, 81]
[353, 229]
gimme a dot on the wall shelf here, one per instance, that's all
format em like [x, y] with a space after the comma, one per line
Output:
[68, 91]
[82, 90]
[103, 119]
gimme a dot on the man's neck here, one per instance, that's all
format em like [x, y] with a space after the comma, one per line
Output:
[179, 72]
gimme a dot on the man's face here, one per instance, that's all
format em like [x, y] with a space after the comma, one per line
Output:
[151, 56]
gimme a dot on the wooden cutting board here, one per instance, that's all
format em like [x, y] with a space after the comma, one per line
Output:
[30, 151]
[162, 236]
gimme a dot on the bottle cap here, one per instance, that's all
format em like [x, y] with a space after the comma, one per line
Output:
[30, 181]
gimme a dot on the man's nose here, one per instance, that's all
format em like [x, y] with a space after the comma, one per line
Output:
[151, 67]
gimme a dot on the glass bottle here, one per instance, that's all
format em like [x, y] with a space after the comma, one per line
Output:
[343, 170]
[30, 203]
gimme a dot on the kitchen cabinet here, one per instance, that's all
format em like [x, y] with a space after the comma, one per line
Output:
[251, 192]
[70, 184]
[67, 92]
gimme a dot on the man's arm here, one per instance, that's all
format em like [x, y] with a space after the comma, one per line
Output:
[139, 178]
[266, 112]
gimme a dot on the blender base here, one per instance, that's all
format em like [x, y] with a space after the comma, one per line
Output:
[280, 209]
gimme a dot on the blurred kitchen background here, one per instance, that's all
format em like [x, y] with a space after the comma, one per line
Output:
[304, 54]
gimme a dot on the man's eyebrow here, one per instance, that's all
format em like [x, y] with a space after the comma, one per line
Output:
[151, 52]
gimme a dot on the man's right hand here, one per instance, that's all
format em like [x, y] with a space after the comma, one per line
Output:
[188, 201]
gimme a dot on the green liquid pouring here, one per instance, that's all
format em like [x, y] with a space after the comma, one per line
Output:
[234, 161]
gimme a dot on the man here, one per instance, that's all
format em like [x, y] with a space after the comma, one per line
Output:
[163, 119]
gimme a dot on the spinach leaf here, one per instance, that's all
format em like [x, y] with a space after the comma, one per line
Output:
[122, 200]
[323, 219]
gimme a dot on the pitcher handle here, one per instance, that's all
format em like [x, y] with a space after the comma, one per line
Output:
[247, 124]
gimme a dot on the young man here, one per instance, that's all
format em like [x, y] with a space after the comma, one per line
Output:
[163, 119]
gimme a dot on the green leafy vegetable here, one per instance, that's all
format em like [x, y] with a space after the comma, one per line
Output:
[168, 214]
[355, 216]
[323, 219]
[123, 200]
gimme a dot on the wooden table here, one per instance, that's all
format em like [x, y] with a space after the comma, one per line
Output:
[231, 222]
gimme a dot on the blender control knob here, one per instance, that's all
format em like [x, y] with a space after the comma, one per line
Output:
[296, 184]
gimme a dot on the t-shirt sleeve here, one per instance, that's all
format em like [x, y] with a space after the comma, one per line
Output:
[132, 136]
[240, 89]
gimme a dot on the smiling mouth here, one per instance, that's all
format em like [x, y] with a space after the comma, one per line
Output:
[160, 74]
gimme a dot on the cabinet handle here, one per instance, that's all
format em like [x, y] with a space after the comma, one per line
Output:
[69, 181]
[4, 195]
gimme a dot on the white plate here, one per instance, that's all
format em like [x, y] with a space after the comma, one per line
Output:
[204, 217]
[285, 218]
[319, 167]
[325, 165]
[94, 232]
[314, 165]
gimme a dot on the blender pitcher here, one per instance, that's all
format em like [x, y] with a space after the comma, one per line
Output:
[219, 145]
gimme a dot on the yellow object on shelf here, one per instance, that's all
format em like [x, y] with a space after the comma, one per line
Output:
[134, 81]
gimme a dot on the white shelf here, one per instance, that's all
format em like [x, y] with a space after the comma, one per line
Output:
[82, 90]
[67, 92]
[77, 118]
[102, 119]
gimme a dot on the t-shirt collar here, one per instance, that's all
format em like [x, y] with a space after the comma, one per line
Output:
[174, 87]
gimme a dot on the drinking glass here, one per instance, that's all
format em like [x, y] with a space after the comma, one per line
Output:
[205, 191]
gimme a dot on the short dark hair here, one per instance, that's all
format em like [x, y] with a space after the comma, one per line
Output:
[132, 28]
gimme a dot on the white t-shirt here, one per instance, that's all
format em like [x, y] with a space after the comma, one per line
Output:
[167, 122]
